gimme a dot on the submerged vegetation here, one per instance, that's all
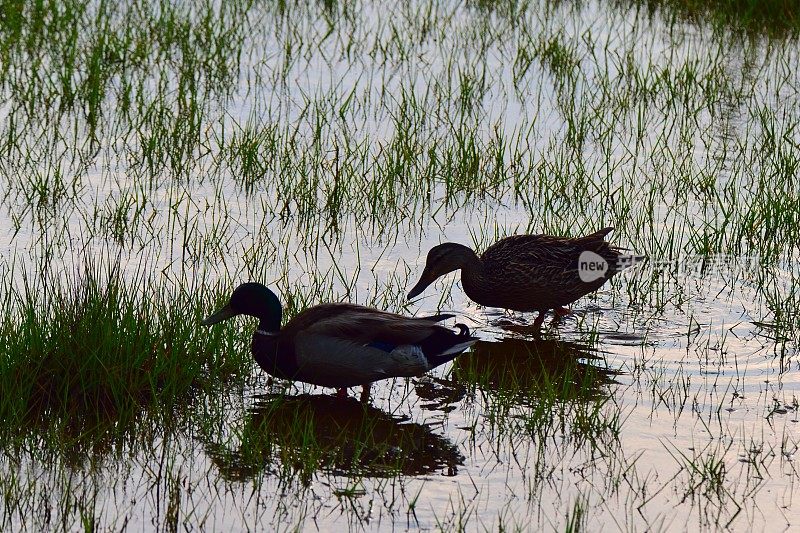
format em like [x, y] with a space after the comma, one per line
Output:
[153, 155]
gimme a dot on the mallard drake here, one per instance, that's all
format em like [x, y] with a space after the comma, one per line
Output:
[342, 345]
[529, 272]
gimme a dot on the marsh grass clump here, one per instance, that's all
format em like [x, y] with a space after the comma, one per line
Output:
[95, 349]
[774, 17]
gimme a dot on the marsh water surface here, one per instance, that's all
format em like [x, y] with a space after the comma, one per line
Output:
[155, 155]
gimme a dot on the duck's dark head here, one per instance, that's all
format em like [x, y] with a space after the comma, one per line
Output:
[443, 259]
[252, 299]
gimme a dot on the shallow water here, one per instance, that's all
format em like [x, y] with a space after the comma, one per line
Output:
[666, 401]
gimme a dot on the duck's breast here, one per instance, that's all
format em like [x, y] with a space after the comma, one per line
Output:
[275, 356]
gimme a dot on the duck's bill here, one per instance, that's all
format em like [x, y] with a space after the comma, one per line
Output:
[223, 314]
[421, 285]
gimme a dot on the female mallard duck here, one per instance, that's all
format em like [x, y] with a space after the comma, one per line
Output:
[342, 345]
[529, 272]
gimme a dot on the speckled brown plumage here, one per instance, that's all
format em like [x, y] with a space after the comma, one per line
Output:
[523, 272]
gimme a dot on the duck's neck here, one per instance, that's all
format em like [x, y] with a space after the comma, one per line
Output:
[269, 323]
[267, 341]
[269, 315]
[472, 268]
[274, 355]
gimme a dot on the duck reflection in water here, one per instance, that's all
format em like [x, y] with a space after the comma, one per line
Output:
[521, 369]
[310, 433]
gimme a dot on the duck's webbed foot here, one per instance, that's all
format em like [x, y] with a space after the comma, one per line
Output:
[558, 314]
[365, 389]
[341, 393]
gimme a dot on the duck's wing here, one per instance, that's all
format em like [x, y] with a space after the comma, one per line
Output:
[363, 325]
[545, 255]
[338, 362]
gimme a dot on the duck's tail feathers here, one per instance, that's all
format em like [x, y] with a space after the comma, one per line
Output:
[445, 346]
[438, 359]
[598, 235]
[594, 241]
[458, 348]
